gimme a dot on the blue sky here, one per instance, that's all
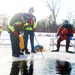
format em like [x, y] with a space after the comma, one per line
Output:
[41, 11]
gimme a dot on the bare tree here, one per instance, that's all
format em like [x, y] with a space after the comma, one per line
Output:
[4, 21]
[54, 7]
[70, 15]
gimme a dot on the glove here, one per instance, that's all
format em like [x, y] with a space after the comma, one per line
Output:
[57, 36]
[70, 37]
[16, 34]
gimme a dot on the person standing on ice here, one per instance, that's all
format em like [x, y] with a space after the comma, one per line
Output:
[65, 32]
[29, 27]
[15, 27]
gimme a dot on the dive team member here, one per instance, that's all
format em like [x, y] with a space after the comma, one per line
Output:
[15, 27]
[29, 27]
[65, 32]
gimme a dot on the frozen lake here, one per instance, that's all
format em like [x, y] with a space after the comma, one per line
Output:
[41, 66]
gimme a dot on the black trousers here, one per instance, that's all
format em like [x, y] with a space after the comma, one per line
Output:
[67, 43]
[28, 33]
[15, 68]
[14, 44]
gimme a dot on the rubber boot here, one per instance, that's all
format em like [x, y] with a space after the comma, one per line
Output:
[57, 50]
[68, 50]
[21, 53]
[33, 51]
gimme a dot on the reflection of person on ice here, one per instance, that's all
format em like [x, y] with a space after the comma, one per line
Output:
[65, 32]
[63, 67]
[29, 27]
[22, 68]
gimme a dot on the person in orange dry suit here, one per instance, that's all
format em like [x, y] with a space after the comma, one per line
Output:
[65, 32]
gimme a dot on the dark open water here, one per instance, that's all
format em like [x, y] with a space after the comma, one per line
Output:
[41, 67]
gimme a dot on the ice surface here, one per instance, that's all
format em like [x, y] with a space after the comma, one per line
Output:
[44, 39]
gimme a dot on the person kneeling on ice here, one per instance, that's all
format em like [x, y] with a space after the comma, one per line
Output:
[65, 32]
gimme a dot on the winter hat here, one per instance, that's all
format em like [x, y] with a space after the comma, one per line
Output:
[31, 9]
[66, 21]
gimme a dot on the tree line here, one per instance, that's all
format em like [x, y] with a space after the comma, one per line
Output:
[44, 25]
[47, 24]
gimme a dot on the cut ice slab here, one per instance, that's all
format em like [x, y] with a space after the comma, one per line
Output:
[47, 55]
[60, 56]
[31, 56]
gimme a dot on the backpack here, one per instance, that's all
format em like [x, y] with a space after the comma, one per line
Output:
[38, 48]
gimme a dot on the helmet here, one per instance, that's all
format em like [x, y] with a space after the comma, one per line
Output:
[66, 21]
[31, 9]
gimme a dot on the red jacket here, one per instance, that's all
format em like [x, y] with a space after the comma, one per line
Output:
[65, 31]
